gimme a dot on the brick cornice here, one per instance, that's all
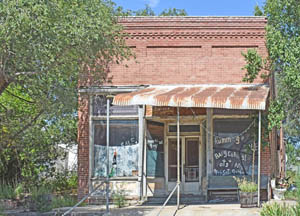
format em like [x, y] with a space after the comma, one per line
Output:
[193, 27]
[187, 35]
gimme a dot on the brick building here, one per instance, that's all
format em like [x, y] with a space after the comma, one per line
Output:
[189, 67]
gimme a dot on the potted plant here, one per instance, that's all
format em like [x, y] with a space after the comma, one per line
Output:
[247, 192]
[280, 188]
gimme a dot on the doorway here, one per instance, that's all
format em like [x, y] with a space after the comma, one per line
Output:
[189, 164]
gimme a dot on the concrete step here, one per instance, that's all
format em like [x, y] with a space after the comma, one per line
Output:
[195, 199]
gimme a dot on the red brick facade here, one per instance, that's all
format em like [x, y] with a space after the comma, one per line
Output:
[83, 145]
[180, 50]
[191, 50]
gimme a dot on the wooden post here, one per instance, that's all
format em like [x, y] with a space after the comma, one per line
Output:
[178, 159]
[209, 146]
[141, 146]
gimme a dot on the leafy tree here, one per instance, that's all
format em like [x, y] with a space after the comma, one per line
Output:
[57, 39]
[283, 44]
[258, 11]
[45, 47]
[148, 11]
[173, 12]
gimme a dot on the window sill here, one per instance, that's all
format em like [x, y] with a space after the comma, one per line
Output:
[129, 178]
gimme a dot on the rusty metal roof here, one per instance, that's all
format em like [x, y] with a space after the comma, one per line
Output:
[252, 97]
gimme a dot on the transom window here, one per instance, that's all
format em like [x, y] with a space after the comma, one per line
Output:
[184, 128]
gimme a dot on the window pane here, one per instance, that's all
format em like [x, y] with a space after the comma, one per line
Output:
[233, 144]
[155, 148]
[123, 150]
[185, 128]
[99, 107]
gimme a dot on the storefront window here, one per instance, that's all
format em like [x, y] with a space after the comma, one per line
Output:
[123, 148]
[233, 144]
[155, 149]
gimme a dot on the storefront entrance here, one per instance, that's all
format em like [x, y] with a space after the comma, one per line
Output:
[189, 164]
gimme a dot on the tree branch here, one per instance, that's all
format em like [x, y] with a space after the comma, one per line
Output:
[32, 102]
[27, 73]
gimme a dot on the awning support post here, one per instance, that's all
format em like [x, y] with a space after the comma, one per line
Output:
[107, 155]
[259, 148]
[178, 160]
[141, 150]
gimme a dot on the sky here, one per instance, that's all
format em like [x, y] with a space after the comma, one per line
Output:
[197, 7]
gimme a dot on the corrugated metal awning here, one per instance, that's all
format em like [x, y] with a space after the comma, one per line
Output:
[252, 97]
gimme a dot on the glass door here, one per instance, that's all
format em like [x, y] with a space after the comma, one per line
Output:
[189, 164]
[172, 159]
[190, 178]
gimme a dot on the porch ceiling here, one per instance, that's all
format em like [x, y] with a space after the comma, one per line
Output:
[252, 97]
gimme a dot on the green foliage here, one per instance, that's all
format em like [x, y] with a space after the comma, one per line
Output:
[283, 44]
[119, 199]
[1, 210]
[41, 199]
[20, 190]
[245, 185]
[7, 192]
[63, 201]
[275, 114]
[258, 11]
[276, 209]
[46, 46]
[254, 65]
[148, 11]
[63, 182]
[173, 12]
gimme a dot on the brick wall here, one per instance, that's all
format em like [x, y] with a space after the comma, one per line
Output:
[83, 145]
[265, 167]
[188, 50]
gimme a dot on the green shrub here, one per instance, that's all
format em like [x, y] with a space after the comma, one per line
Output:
[63, 201]
[19, 191]
[41, 199]
[7, 192]
[63, 182]
[245, 186]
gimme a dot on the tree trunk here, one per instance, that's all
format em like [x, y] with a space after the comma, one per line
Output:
[3, 83]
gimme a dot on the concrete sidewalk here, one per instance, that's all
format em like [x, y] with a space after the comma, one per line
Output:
[203, 210]
[185, 210]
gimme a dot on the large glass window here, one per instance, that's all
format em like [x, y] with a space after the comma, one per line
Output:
[233, 145]
[123, 148]
[155, 149]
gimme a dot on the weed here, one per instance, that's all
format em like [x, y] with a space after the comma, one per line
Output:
[119, 199]
[7, 192]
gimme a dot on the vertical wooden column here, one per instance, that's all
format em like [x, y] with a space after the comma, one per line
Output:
[141, 112]
[209, 146]
[178, 158]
